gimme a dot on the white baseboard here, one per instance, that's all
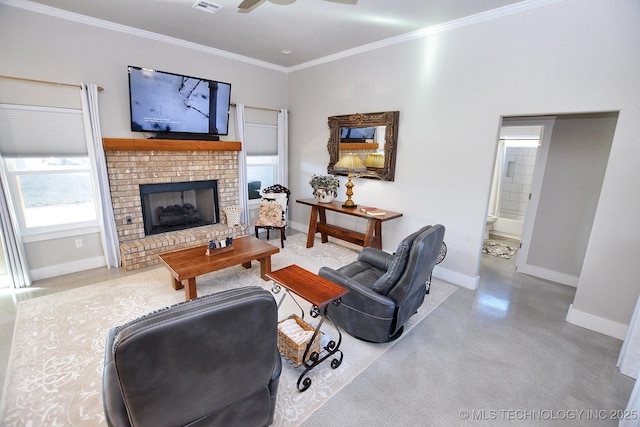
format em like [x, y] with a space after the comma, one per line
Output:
[438, 272]
[554, 276]
[597, 324]
[455, 278]
[298, 227]
[67, 268]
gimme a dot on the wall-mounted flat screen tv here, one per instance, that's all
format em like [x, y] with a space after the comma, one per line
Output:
[178, 106]
[357, 134]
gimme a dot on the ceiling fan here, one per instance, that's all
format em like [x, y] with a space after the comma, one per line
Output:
[248, 5]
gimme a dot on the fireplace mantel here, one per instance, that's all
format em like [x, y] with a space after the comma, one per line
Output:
[133, 144]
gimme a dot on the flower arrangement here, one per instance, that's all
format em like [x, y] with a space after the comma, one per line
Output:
[328, 182]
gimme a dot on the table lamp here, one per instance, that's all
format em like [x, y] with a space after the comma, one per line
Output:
[353, 166]
[374, 160]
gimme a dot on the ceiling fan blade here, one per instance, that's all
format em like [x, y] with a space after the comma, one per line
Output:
[344, 1]
[248, 4]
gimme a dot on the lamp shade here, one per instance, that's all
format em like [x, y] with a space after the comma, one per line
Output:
[350, 163]
[375, 160]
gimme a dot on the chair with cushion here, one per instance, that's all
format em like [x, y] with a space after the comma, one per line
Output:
[209, 361]
[385, 290]
[273, 211]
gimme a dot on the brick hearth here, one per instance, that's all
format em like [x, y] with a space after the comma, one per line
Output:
[128, 169]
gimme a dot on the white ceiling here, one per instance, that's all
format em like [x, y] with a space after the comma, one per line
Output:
[310, 29]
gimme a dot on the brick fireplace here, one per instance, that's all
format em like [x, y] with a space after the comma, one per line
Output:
[131, 163]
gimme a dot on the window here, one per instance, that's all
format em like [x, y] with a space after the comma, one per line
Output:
[261, 173]
[51, 193]
[262, 157]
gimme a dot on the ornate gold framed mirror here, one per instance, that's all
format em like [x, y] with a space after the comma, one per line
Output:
[370, 137]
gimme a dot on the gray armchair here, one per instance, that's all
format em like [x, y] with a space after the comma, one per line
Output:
[385, 290]
[211, 361]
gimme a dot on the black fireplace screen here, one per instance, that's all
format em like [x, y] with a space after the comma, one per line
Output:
[179, 205]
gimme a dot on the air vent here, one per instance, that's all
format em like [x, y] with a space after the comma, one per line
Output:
[206, 6]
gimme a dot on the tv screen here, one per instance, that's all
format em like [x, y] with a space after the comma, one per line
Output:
[175, 104]
[357, 134]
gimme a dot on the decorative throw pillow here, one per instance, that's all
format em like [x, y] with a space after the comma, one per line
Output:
[280, 199]
[270, 215]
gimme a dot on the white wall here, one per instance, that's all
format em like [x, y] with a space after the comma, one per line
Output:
[43, 47]
[452, 89]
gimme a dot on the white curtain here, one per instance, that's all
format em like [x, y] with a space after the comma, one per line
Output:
[17, 267]
[283, 147]
[242, 164]
[89, 95]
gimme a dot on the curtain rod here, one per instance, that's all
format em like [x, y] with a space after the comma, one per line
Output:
[233, 104]
[46, 82]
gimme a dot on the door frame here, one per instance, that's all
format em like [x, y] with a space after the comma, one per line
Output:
[546, 124]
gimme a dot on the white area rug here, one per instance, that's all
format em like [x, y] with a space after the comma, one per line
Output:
[55, 368]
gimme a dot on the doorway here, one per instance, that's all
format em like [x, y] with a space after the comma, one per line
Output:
[565, 189]
[513, 175]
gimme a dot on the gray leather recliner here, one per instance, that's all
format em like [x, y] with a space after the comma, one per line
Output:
[385, 290]
[211, 361]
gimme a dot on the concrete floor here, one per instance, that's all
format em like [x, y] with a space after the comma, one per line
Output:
[502, 354]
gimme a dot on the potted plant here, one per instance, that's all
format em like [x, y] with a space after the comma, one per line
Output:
[324, 187]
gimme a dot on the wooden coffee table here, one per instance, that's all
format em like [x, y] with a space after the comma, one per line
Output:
[187, 264]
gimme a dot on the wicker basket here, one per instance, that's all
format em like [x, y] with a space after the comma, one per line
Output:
[233, 215]
[291, 349]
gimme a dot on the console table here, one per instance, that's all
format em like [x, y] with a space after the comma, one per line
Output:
[318, 224]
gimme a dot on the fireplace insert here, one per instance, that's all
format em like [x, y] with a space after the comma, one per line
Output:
[176, 206]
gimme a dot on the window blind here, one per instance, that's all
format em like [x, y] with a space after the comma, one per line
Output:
[27, 131]
[261, 139]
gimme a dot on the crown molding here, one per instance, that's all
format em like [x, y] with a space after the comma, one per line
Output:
[107, 25]
[523, 6]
